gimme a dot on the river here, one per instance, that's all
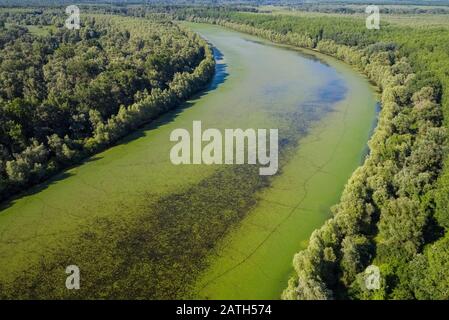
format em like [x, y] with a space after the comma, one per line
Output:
[324, 112]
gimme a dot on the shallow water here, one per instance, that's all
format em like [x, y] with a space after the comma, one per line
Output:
[324, 113]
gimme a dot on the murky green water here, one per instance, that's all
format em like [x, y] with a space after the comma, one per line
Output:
[324, 113]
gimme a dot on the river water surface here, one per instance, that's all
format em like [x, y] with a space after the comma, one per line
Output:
[324, 112]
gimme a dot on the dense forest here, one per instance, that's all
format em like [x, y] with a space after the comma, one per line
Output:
[394, 210]
[66, 94]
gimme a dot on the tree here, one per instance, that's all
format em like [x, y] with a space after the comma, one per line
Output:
[357, 252]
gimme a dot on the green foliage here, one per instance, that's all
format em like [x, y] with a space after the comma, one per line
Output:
[356, 251]
[73, 92]
[400, 229]
[428, 272]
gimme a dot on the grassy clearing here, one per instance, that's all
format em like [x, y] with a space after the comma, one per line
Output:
[423, 20]
[41, 30]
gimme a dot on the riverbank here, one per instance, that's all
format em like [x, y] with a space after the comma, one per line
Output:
[254, 260]
[368, 224]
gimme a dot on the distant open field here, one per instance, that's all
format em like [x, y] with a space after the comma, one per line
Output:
[39, 30]
[405, 19]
